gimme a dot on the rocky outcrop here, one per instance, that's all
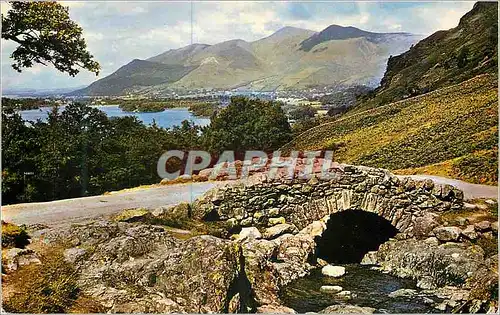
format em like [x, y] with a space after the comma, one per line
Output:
[432, 265]
[302, 201]
[142, 268]
[448, 270]
[269, 265]
[136, 267]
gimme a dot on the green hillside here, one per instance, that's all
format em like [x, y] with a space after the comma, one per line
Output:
[442, 59]
[453, 122]
[435, 111]
[137, 73]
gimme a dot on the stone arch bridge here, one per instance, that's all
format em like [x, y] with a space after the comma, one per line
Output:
[300, 202]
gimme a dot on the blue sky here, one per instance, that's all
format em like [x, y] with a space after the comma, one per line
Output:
[117, 32]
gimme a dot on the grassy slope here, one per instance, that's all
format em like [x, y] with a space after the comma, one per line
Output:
[453, 122]
[443, 59]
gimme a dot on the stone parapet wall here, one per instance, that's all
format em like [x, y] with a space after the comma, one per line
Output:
[267, 202]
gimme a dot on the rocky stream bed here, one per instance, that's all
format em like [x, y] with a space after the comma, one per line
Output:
[367, 287]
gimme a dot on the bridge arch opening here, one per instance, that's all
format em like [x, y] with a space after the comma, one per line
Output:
[350, 234]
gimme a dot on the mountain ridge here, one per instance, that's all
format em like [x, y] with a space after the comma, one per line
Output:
[273, 62]
[434, 111]
[338, 32]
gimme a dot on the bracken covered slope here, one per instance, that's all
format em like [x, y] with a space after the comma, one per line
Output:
[435, 112]
[442, 59]
[459, 121]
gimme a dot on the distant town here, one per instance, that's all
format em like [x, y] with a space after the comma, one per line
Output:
[323, 100]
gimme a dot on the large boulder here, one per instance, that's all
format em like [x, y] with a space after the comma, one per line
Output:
[296, 248]
[432, 265]
[142, 268]
[269, 265]
[447, 233]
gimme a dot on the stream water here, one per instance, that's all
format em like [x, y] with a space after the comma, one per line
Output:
[369, 288]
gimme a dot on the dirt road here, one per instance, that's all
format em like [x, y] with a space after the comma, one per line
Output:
[80, 209]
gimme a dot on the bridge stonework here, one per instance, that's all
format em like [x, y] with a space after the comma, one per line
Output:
[301, 201]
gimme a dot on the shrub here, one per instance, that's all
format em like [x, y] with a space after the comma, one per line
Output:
[47, 288]
[13, 236]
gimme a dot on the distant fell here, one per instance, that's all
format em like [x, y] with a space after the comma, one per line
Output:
[444, 58]
[135, 74]
[337, 32]
[275, 62]
[435, 112]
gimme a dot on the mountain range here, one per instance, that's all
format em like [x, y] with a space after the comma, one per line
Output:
[291, 58]
[435, 111]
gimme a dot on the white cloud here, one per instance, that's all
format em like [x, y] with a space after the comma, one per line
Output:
[35, 69]
[442, 17]
[395, 27]
[93, 36]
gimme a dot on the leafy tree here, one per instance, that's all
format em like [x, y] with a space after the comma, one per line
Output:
[247, 124]
[24, 103]
[79, 151]
[302, 113]
[46, 34]
[19, 145]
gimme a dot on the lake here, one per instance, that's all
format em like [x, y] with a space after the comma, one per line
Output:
[166, 119]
